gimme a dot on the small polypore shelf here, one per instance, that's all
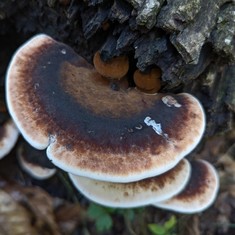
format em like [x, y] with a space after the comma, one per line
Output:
[61, 103]
[187, 188]
[34, 162]
[135, 194]
[199, 193]
[8, 137]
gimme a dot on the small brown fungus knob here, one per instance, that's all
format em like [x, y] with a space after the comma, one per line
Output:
[148, 82]
[116, 68]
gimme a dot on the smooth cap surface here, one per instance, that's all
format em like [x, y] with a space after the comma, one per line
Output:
[148, 82]
[199, 193]
[116, 68]
[59, 102]
[138, 193]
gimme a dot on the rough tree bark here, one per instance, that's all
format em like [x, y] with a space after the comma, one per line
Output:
[192, 41]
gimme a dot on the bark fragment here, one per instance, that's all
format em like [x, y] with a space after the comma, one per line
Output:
[189, 42]
[223, 37]
[120, 11]
[147, 13]
[230, 81]
[177, 14]
[93, 19]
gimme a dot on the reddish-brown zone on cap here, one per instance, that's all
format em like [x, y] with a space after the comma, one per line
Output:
[199, 180]
[89, 123]
[159, 182]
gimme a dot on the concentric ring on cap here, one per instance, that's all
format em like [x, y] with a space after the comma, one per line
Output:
[138, 193]
[59, 102]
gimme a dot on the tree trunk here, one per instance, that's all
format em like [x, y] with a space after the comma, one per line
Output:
[192, 41]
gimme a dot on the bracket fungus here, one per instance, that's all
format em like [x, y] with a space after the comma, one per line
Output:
[199, 193]
[135, 194]
[60, 102]
[34, 162]
[8, 137]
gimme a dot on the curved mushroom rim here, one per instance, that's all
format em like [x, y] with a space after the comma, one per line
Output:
[135, 194]
[9, 137]
[103, 176]
[11, 110]
[191, 191]
[34, 156]
[35, 171]
[118, 144]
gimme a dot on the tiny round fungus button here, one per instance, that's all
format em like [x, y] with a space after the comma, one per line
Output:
[199, 193]
[35, 162]
[8, 137]
[115, 68]
[138, 193]
[148, 82]
[60, 102]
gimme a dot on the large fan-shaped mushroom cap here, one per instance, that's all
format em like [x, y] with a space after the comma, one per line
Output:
[59, 102]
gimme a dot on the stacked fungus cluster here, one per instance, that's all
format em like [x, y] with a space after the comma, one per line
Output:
[120, 147]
